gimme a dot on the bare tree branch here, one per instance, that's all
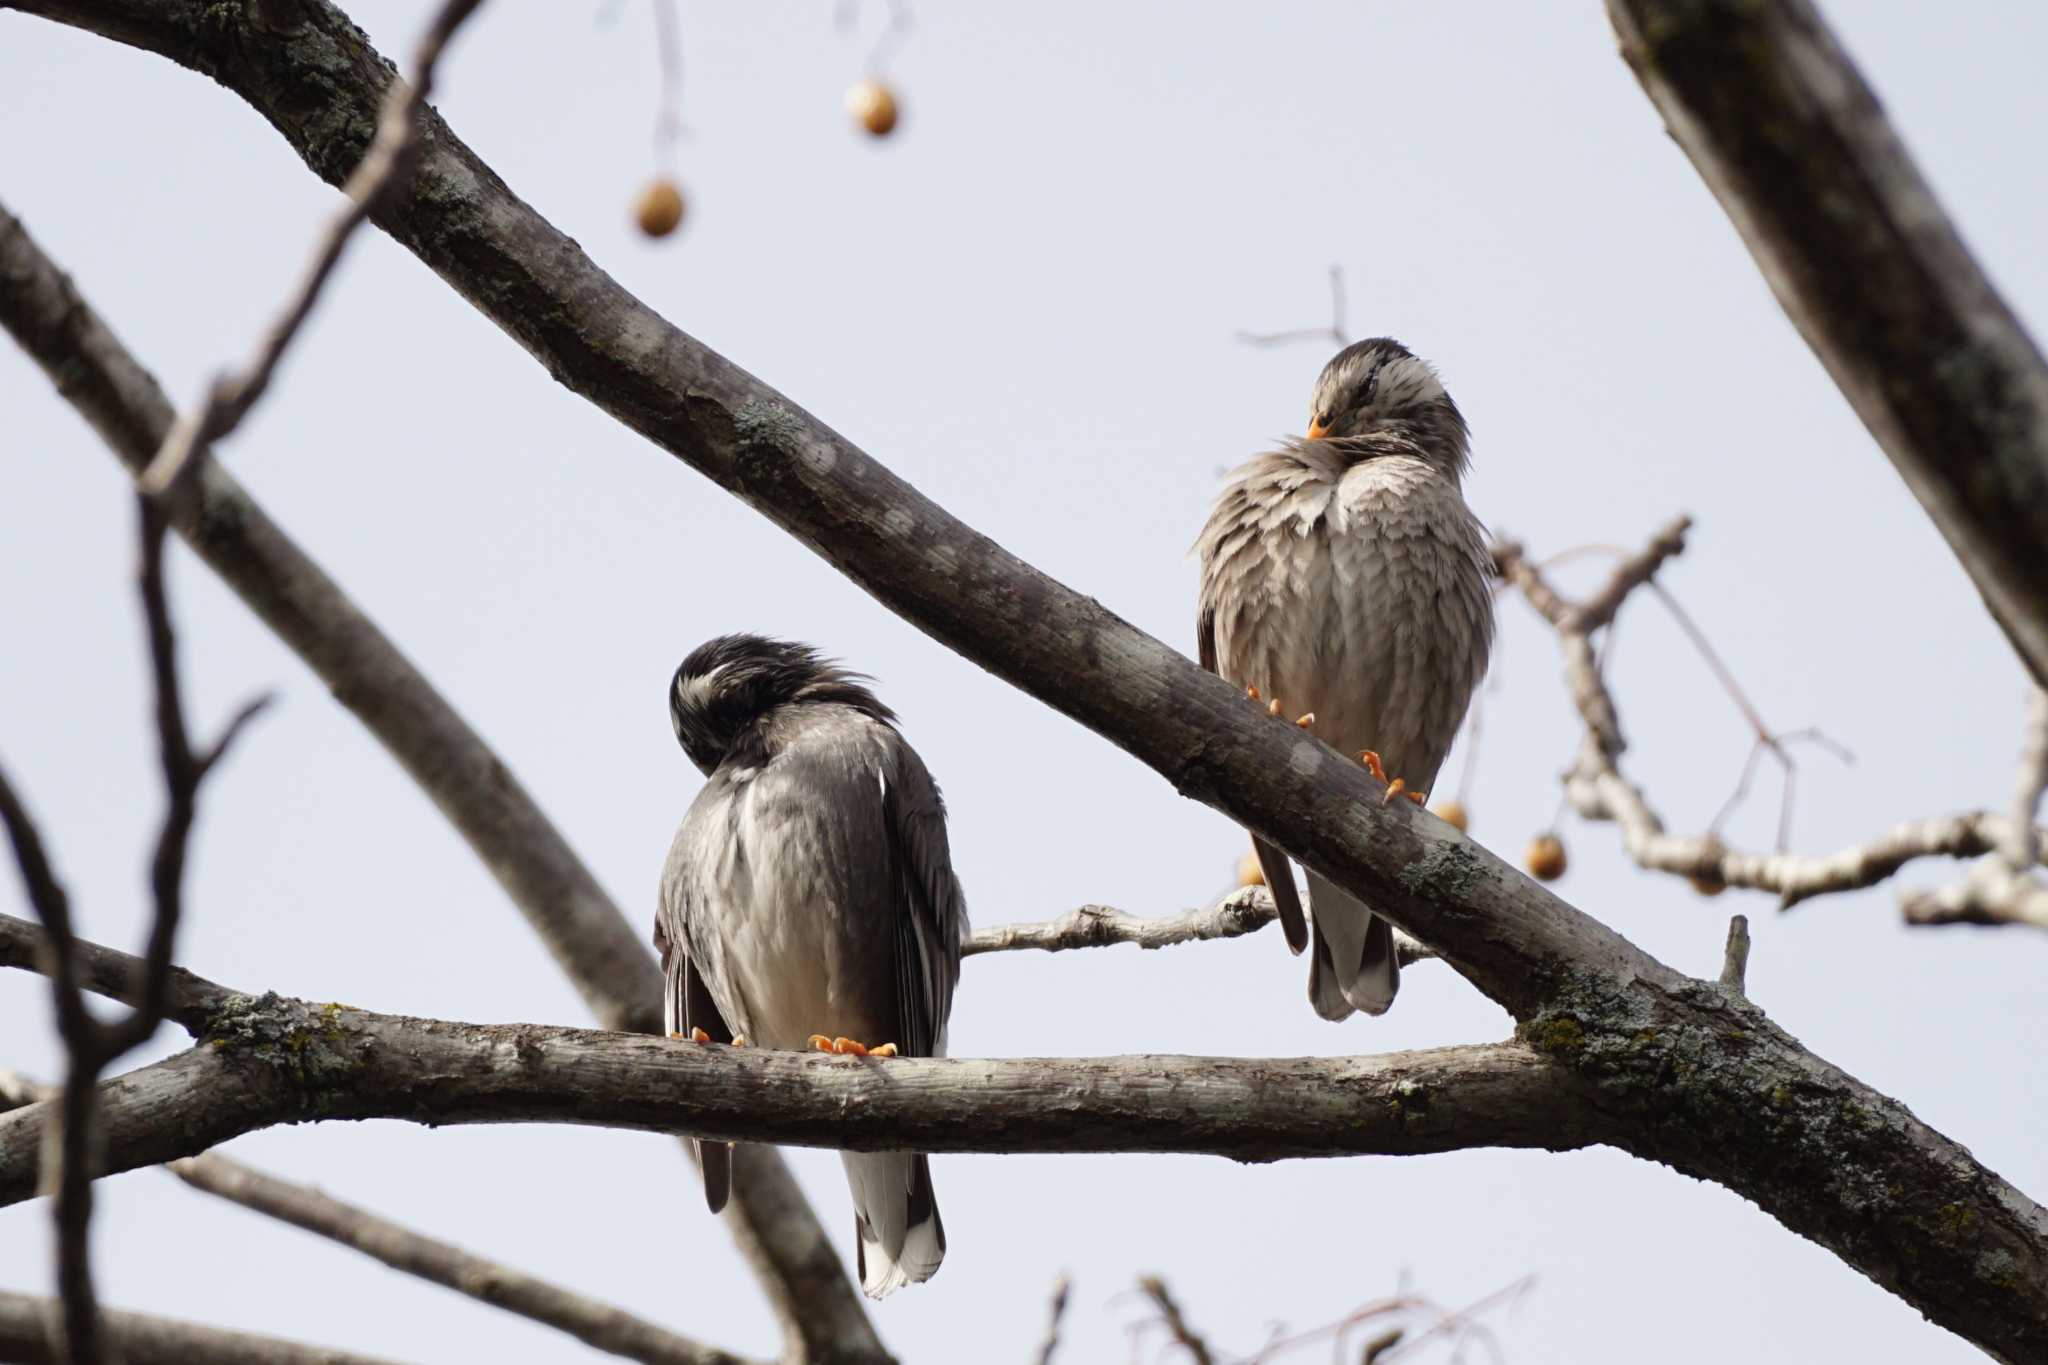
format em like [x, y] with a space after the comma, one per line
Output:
[1599, 790]
[600, 1325]
[1820, 1135]
[144, 1340]
[1789, 137]
[2003, 888]
[1244, 911]
[606, 959]
[1688, 1075]
[273, 1059]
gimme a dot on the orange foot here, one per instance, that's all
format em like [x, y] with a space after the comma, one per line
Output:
[695, 1035]
[1395, 786]
[846, 1047]
[1277, 711]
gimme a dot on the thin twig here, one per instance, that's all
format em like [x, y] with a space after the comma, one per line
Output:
[1184, 1336]
[1062, 1288]
[1338, 332]
[1598, 789]
[1244, 911]
[895, 31]
[380, 173]
[668, 120]
[2003, 888]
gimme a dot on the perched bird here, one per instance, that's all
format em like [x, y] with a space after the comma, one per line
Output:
[1345, 581]
[809, 901]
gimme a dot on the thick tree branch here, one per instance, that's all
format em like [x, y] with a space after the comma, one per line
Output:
[1812, 1141]
[1695, 1078]
[1789, 137]
[606, 959]
[278, 1060]
[596, 1324]
[271, 1059]
[144, 1340]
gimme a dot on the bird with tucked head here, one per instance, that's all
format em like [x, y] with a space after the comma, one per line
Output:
[809, 902]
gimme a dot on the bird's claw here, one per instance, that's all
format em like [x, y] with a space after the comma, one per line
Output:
[847, 1047]
[1307, 721]
[695, 1035]
[1395, 786]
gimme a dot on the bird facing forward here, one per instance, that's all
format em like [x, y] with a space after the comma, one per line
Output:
[1345, 581]
[809, 902]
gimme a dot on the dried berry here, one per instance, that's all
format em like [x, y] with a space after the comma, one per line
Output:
[1249, 873]
[1545, 858]
[660, 210]
[873, 106]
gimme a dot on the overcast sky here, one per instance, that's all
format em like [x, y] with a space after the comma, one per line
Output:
[1024, 304]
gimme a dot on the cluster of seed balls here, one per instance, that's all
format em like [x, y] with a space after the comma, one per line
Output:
[1544, 857]
[659, 210]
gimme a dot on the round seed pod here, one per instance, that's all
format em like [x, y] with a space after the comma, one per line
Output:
[659, 210]
[1545, 858]
[873, 106]
[1249, 873]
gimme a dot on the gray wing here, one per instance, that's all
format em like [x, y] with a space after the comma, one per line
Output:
[1231, 524]
[931, 911]
[686, 1000]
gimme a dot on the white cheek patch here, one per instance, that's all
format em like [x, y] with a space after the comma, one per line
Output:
[694, 694]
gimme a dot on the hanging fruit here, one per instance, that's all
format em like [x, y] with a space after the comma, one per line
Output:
[1545, 858]
[1249, 873]
[873, 106]
[660, 207]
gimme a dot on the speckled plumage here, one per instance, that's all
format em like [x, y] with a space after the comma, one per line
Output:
[1345, 576]
[810, 890]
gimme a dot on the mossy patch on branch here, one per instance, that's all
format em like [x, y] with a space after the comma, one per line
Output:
[315, 1048]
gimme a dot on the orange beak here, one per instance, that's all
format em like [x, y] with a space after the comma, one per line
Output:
[1316, 429]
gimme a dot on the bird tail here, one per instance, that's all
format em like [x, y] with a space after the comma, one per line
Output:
[896, 1220]
[1354, 966]
[714, 1159]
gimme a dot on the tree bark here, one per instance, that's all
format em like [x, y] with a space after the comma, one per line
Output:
[144, 1340]
[1789, 137]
